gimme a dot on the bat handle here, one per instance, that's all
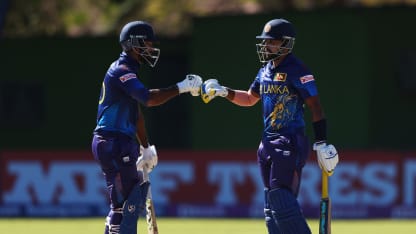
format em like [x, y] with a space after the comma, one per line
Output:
[324, 185]
[145, 175]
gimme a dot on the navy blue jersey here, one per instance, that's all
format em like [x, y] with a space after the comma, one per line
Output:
[283, 90]
[121, 93]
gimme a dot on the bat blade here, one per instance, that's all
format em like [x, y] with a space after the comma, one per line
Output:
[150, 209]
[151, 214]
[151, 217]
[325, 208]
[325, 216]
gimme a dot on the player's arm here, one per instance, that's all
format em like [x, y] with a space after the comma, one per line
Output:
[141, 130]
[211, 89]
[327, 154]
[314, 105]
[191, 84]
[242, 98]
[160, 96]
[156, 97]
[148, 155]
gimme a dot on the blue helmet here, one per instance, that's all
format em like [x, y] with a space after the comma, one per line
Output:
[276, 29]
[133, 36]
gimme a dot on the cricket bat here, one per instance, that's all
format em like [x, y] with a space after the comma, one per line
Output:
[150, 209]
[325, 208]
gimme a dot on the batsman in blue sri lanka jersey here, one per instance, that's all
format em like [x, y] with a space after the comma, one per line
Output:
[120, 126]
[284, 85]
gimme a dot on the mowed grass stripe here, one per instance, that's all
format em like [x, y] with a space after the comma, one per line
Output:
[198, 226]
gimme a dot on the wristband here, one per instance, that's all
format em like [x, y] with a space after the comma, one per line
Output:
[319, 128]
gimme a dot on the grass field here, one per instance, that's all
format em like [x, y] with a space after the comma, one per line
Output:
[199, 226]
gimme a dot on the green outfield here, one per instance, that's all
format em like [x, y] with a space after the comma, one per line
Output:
[199, 226]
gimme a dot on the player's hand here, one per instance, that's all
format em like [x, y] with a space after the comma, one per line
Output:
[327, 157]
[211, 89]
[147, 159]
[192, 83]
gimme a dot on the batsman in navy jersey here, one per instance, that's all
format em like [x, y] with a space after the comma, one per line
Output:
[120, 126]
[284, 85]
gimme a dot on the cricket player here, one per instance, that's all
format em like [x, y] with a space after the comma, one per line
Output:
[283, 84]
[120, 125]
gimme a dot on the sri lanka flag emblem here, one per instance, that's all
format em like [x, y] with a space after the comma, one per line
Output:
[280, 77]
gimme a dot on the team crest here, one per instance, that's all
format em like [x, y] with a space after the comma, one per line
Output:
[306, 79]
[267, 28]
[280, 77]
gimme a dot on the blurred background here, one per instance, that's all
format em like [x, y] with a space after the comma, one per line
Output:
[54, 54]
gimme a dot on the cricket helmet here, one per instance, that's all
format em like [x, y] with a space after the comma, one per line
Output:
[134, 34]
[276, 29]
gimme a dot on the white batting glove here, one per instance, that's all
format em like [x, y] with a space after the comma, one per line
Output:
[211, 89]
[148, 159]
[192, 83]
[327, 157]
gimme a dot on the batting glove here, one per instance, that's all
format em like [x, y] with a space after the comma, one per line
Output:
[327, 157]
[211, 89]
[192, 83]
[148, 159]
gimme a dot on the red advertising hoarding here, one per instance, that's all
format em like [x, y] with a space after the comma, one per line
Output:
[366, 184]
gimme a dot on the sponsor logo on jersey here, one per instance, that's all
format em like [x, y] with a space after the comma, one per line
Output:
[280, 77]
[306, 79]
[127, 77]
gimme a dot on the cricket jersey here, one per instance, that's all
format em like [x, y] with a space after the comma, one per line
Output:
[121, 93]
[283, 90]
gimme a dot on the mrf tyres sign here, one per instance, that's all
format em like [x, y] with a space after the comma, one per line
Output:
[206, 184]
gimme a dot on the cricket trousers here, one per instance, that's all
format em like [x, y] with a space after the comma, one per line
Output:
[116, 154]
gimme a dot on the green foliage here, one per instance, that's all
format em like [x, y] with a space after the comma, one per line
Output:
[171, 18]
[104, 17]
